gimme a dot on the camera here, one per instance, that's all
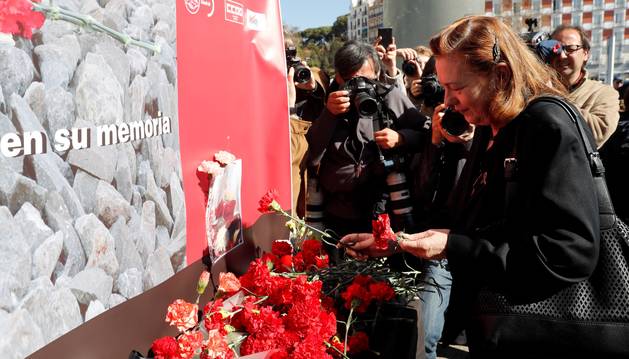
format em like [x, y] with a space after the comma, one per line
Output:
[302, 73]
[453, 122]
[409, 68]
[540, 42]
[432, 91]
[364, 95]
[433, 94]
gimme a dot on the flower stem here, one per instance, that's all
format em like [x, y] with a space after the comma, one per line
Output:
[57, 13]
[323, 234]
[347, 326]
[336, 349]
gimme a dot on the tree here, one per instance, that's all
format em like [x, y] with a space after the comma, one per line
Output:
[339, 28]
[317, 35]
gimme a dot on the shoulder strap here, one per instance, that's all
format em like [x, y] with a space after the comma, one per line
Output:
[606, 209]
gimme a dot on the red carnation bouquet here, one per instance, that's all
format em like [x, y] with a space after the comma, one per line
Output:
[289, 304]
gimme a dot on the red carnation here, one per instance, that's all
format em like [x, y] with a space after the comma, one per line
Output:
[382, 232]
[165, 348]
[381, 291]
[228, 283]
[182, 314]
[286, 264]
[359, 342]
[268, 202]
[281, 248]
[311, 249]
[189, 343]
[17, 17]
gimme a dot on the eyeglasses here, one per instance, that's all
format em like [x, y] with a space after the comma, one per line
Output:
[568, 49]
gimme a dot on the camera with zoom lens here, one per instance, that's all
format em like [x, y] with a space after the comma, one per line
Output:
[454, 123]
[410, 68]
[364, 94]
[302, 73]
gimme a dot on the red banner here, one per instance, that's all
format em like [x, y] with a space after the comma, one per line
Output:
[232, 97]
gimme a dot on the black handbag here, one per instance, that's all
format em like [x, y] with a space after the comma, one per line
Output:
[587, 319]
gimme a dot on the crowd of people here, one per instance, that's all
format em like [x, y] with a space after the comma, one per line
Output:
[379, 139]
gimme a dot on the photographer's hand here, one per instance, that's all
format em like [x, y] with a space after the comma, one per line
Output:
[387, 138]
[406, 54]
[416, 87]
[338, 102]
[387, 56]
[290, 85]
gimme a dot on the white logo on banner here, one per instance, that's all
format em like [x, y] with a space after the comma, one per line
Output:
[193, 6]
[256, 21]
[234, 12]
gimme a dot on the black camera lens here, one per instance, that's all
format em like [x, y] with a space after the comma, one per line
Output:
[302, 74]
[409, 68]
[454, 123]
[366, 105]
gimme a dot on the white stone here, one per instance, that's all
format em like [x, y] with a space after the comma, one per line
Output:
[47, 255]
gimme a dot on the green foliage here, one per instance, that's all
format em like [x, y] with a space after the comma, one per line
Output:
[318, 45]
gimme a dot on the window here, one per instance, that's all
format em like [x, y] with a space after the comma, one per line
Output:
[497, 7]
[556, 20]
[556, 5]
[516, 8]
[620, 3]
[597, 18]
[619, 34]
[619, 17]
[599, 4]
[577, 19]
[597, 36]
[537, 5]
[577, 4]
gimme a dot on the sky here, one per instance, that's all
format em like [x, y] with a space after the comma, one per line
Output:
[305, 14]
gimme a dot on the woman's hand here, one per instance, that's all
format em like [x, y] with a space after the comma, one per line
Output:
[430, 244]
[362, 246]
[439, 134]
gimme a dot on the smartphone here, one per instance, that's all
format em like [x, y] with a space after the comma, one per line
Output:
[386, 33]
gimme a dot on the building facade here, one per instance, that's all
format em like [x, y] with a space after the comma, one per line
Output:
[599, 18]
[365, 17]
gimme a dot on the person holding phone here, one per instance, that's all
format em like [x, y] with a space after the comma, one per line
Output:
[387, 52]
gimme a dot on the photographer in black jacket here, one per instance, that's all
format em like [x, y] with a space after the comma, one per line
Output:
[346, 149]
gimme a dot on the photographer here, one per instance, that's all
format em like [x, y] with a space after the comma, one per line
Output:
[345, 148]
[307, 88]
[414, 62]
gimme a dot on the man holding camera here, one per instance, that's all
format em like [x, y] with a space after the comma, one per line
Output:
[598, 102]
[347, 142]
[307, 88]
[414, 61]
